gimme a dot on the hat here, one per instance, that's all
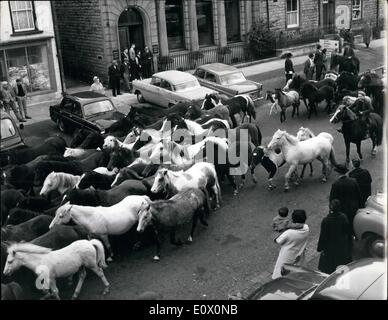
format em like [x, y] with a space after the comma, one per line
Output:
[95, 78]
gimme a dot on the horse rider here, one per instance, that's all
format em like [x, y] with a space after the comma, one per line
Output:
[362, 107]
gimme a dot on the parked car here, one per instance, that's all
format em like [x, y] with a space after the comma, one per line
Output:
[85, 110]
[169, 87]
[227, 80]
[369, 225]
[11, 137]
[363, 279]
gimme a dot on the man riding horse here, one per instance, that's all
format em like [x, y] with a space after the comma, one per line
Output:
[362, 107]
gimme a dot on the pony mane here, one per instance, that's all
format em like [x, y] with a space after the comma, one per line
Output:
[290, 138]
[308, 131]
[27, 247]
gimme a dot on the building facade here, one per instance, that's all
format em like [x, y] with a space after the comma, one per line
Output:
[28, 48]
[180, 32]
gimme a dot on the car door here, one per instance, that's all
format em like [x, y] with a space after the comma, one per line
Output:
[167, 97]
[65, 111]
[154, 91]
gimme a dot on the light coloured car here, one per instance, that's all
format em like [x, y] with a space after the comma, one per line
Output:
[169, 87]
[369, 225]
[227, 80]
[364, 279]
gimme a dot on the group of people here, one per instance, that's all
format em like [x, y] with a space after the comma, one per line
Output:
[15, 98]
[134, 65]
[347, 195]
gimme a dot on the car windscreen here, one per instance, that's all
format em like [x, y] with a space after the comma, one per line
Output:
[186, 85]
[232, 78]
[97, 107]
[8, 130]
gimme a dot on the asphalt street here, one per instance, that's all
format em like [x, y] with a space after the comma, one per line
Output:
[238, 243]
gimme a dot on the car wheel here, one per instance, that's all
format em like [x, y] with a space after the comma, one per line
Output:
[374, 246]
[140, 97]
[62, 126]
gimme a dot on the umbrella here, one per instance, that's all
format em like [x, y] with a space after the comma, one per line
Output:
[285, 54]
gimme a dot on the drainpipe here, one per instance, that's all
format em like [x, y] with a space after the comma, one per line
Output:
[58, 47]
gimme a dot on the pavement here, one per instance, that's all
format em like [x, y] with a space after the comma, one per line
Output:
[39, 112]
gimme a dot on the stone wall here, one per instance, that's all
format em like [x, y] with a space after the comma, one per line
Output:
[81, 38]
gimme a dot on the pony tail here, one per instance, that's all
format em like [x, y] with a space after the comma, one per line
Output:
[100, 253]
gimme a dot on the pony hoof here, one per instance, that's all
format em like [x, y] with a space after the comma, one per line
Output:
[74, 297]
[156, 258]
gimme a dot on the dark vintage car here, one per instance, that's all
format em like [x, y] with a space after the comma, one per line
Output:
[227, 80]
[85, 110]
[363, 279]
[11, 138]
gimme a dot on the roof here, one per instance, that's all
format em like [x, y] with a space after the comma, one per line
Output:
[219, 68]
[175, 77]
[87, 95]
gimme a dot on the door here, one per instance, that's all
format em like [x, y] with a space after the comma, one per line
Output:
[131, 29]
[124, 38]
[328, 7]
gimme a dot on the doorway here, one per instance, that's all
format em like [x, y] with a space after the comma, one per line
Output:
[328, 14]
[131, 29]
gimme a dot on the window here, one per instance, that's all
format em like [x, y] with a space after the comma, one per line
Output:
[210, 77]
[232, 17]
[7, 129]
[356, 9]
[174, 24]
[77, 110]
[205, 22]
[165, 85]
[156, 81]
[97, 107]
[22, 15]
[200, 73]
[31, 65]
[186, 85]
[292, 13]
[232, 78]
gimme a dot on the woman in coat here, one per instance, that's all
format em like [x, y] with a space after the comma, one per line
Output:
[367, 32]
[293, 243]
[335, 239]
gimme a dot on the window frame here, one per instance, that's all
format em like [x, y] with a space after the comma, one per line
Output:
[211, 31]
[357, 7]
[23, 31]
[297, 25]
[239, 23]
[182, 27]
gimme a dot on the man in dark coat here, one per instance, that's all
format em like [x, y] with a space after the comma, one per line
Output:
[114, 73]
[364, 180]
[335, 239]
[319, 62]
[288, 67]
[347, 191]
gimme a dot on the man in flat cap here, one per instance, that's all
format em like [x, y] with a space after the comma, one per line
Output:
[363, 178]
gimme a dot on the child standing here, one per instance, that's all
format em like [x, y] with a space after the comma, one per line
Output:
[281, 221]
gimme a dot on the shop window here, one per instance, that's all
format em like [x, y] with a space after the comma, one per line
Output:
[205, 22]
[356, 9]
[174, 24]
[232, 16]
[31, 65]
[292, 13]
[22, 15]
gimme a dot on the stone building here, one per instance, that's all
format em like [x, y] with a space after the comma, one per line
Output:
[28, 48]
[93, 32]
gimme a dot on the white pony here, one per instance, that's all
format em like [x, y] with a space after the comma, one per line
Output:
[76, 152]
[297, 152]
[104, 170]
[202, 129]
[59, 181]
[103, 221]
[183, 155]
[200, 175]
[49, 265]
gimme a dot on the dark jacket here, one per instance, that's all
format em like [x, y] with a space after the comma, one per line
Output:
[335, 242]
[288, 65]
[348, 52]
[319, 59]
[364, 180]
[347, 191]
[114, 72]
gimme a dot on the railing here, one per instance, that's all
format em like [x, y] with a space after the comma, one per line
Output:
[292, 38]
[236, 53]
